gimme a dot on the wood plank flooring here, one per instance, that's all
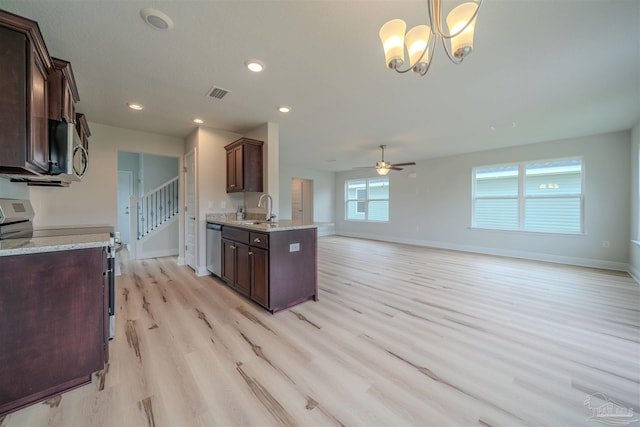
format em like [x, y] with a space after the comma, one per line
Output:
[401, 336]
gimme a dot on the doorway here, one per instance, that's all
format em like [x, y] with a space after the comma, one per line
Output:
[302, 200]
[125, 190]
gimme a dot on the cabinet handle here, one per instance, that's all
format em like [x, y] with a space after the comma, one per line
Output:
[250, 253]
[257, 240]
[233, 247]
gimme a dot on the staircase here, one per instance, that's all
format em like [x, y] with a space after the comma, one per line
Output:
[154, 222]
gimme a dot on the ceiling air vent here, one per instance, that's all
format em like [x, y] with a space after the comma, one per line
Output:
[218, 92]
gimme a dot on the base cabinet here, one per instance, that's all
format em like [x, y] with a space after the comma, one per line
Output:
[276, 270]
[259, 259]
[53, 324]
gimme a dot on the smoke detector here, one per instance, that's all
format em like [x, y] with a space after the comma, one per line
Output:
[156, 19]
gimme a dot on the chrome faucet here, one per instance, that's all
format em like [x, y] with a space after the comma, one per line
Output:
[269, 206]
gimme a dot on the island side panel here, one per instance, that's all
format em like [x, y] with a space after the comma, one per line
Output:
[293, 267]
[51, 323]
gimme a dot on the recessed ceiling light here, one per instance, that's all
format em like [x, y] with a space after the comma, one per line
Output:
[156, 19]
[198, 121]
[254, 65]
[284, 109]
[135, 106]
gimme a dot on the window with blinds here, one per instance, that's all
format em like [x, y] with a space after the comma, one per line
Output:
[367, 199]
[543, 196]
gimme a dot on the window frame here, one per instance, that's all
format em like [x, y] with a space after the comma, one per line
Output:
[522, 197]
[366, 200]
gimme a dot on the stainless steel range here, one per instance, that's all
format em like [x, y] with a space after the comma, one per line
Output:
[16, 222]
[16, 218]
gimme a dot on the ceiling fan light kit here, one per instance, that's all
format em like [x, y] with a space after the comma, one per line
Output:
[420, 41]
[383, 168]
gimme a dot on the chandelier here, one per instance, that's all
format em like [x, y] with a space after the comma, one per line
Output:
[420, 41]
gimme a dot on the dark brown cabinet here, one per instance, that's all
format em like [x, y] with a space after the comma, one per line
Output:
[83, 130]
[63, 92]
[259, 260]
[244, 165]
[53, 323]
[235, 268]
[236, 263]
[276, 270]
[24, 69]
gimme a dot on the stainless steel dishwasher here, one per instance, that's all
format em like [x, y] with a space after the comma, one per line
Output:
[214, 248]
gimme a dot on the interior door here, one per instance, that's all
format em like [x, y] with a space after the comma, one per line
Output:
[302, 199]
[125, 190]
[190, 211]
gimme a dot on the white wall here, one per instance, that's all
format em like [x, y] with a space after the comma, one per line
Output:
[211, 189]
[323, 191]
[270, 134]
[94, 199]
[634, 195]
[156, 170]
[434, 209]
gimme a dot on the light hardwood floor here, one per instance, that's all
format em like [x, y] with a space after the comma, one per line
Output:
[401, 336]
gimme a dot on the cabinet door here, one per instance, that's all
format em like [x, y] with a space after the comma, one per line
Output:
[260, 276]
[229, 261]
[239, 168]
[243, 269]
[38, 147]
[231, 171]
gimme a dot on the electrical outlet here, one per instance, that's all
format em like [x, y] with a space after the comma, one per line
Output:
[605, 244]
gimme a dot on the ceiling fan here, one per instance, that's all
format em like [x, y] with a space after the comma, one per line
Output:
[383, 167]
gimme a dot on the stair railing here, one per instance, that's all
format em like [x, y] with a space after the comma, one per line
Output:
[154, 208]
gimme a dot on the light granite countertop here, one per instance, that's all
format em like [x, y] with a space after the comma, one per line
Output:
[257, 225]
[52, 244]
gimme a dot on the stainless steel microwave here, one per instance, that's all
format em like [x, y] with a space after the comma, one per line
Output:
[69, 159]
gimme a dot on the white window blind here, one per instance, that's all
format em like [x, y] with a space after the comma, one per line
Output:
[367, 199]
[545, 196]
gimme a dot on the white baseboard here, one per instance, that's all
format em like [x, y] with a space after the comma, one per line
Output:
[534, 256]
[157, 254]
[634, 273]
[180, 260]
[326, 230]
[202, 271]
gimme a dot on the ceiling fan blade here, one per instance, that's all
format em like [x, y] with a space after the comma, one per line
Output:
[395, 168]
[404, 164]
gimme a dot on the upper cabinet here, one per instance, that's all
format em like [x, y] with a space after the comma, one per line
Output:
[37, 106]
[63, 93]
[24, 134]
[244, 165]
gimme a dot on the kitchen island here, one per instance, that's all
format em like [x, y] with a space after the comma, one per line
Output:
[54, 324]
[273, 264]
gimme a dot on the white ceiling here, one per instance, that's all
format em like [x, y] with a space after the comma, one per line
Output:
[558, 69]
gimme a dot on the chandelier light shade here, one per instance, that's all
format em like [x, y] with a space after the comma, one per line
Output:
[392, 36]
[459, 23]
[420, 41]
